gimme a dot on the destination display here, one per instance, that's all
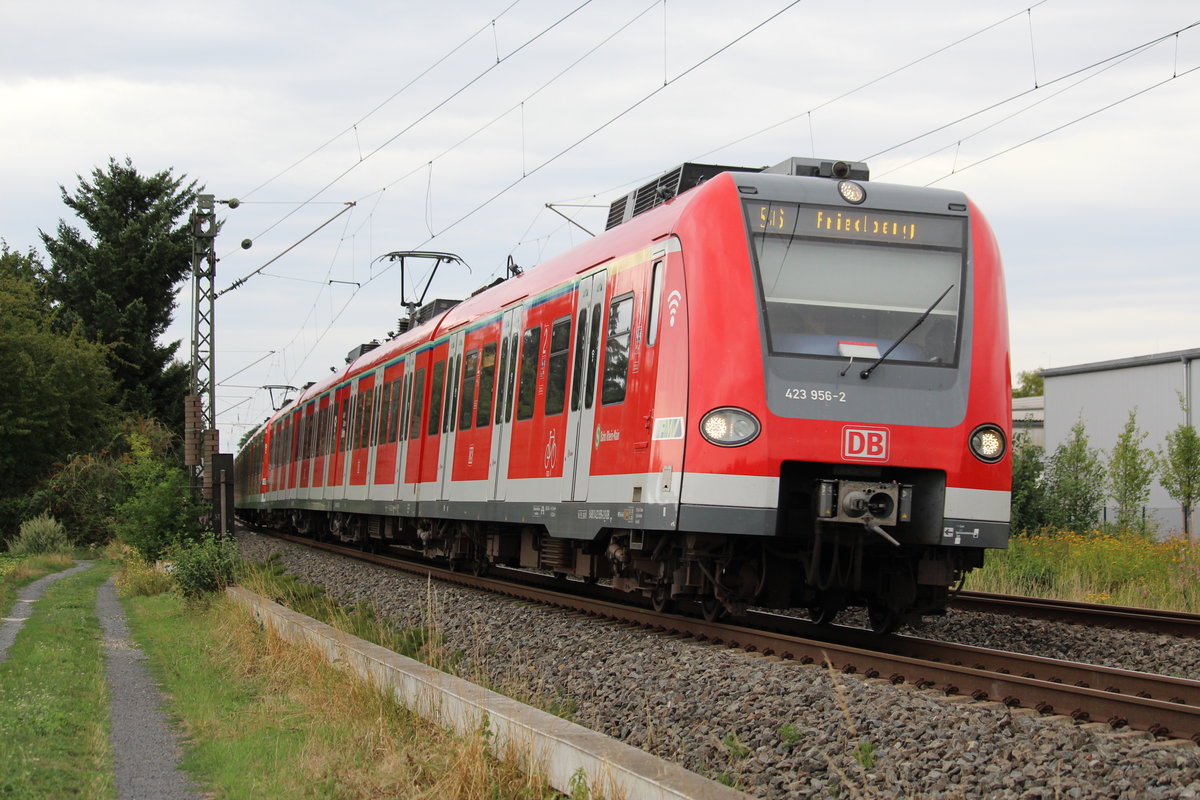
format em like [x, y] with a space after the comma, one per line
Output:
[863, 225]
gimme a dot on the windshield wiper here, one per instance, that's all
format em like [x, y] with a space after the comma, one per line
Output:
[866, 373]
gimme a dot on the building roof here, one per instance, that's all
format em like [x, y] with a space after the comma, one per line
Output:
[1124, 363]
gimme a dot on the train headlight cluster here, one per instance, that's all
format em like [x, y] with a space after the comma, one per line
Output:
[988, 444]
[729, 427]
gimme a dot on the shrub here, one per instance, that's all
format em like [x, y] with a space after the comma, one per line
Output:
[82, 494]
[160, 510]
[42, 534]
[204, 566]
[139, 578]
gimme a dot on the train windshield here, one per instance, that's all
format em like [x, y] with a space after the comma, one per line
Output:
[850, 283]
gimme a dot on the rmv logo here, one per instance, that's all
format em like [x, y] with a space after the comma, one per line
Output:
[869, 444]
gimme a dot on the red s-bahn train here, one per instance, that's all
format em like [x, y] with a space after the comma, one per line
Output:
[781, 387]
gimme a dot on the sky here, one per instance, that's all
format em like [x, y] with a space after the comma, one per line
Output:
[1072, 124]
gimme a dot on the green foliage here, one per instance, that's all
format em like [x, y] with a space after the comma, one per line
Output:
[1030, 383]
[1028, 486]
[735, 747]
[160, 510]
[203, 567]
[269, 580]
[864, 754]
[57, 387]
[577, 786]
[118, 282]
[1131, 469]
[40, 535]
[1074, 483]
[788, 734]
[83, 493]
[139, 578]
[1179, 470]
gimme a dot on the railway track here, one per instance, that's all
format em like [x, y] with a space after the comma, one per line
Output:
[1163, 705]
[1176, 623]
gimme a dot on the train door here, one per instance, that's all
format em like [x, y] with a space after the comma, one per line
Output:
[449, 414]
[581, 413]
[510, 337]
[405, 452]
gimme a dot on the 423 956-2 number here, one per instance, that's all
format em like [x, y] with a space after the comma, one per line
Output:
[820, 395]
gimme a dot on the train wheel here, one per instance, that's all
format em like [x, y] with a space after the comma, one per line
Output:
[660, 598]
[822, 613]
[883, 618]
[711, 609]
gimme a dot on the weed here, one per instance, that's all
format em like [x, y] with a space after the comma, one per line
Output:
[39, 535]
[139, 578]
[864, 754]
[726, 779]
[577, 787]
[788, 734]
[203, 567]
[734, 746]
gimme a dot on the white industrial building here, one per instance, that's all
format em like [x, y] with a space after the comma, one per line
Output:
[1159, 386]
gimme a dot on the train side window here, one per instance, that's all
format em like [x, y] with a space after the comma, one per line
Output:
[395, 409]
[467, 405]
[348, 423]
[503, 373]
[512, 372]
[384, 412]
[418, 399]
[405, 407]
[656, 288]
[339, 427]
[367, 418]
[531, 347]
[556, 370]
[452, 399]
[577, 370]
[487, 379]
[383, 399]
[593, 357]
[616, 350]
[435, 398]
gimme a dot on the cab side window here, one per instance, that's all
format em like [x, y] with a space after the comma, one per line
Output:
[616, 350]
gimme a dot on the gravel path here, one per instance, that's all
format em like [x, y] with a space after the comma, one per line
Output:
[145, 747]
[10, 626]
[779, 729]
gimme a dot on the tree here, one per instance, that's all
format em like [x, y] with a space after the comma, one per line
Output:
[1179, 470]
[1131, 469]
[1028, 486]
[1030, 383]
[55, 389]
[1074, 483]
[120, 283]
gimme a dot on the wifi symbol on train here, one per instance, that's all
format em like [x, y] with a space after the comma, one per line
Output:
[673, 301]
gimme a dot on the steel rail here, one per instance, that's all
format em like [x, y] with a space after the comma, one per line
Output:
[1176, 623]
[1046, 685]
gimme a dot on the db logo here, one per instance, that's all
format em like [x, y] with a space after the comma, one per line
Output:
[865, 444]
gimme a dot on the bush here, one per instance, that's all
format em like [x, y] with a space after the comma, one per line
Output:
[139, 578]
[204, 566]
[42, 534]
[82, 494]
[159, 511]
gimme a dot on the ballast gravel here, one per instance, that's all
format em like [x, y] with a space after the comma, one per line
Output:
[774, 728]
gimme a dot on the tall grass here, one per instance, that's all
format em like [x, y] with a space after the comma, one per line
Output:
[1096, 567]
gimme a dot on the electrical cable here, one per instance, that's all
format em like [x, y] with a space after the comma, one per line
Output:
[393, 96]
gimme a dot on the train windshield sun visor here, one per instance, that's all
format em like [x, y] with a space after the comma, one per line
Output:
[858, 284]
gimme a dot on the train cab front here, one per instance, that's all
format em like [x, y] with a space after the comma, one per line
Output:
[885, 411]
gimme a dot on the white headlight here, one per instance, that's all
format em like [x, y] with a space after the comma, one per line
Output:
[729, 427]
[987, 443]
